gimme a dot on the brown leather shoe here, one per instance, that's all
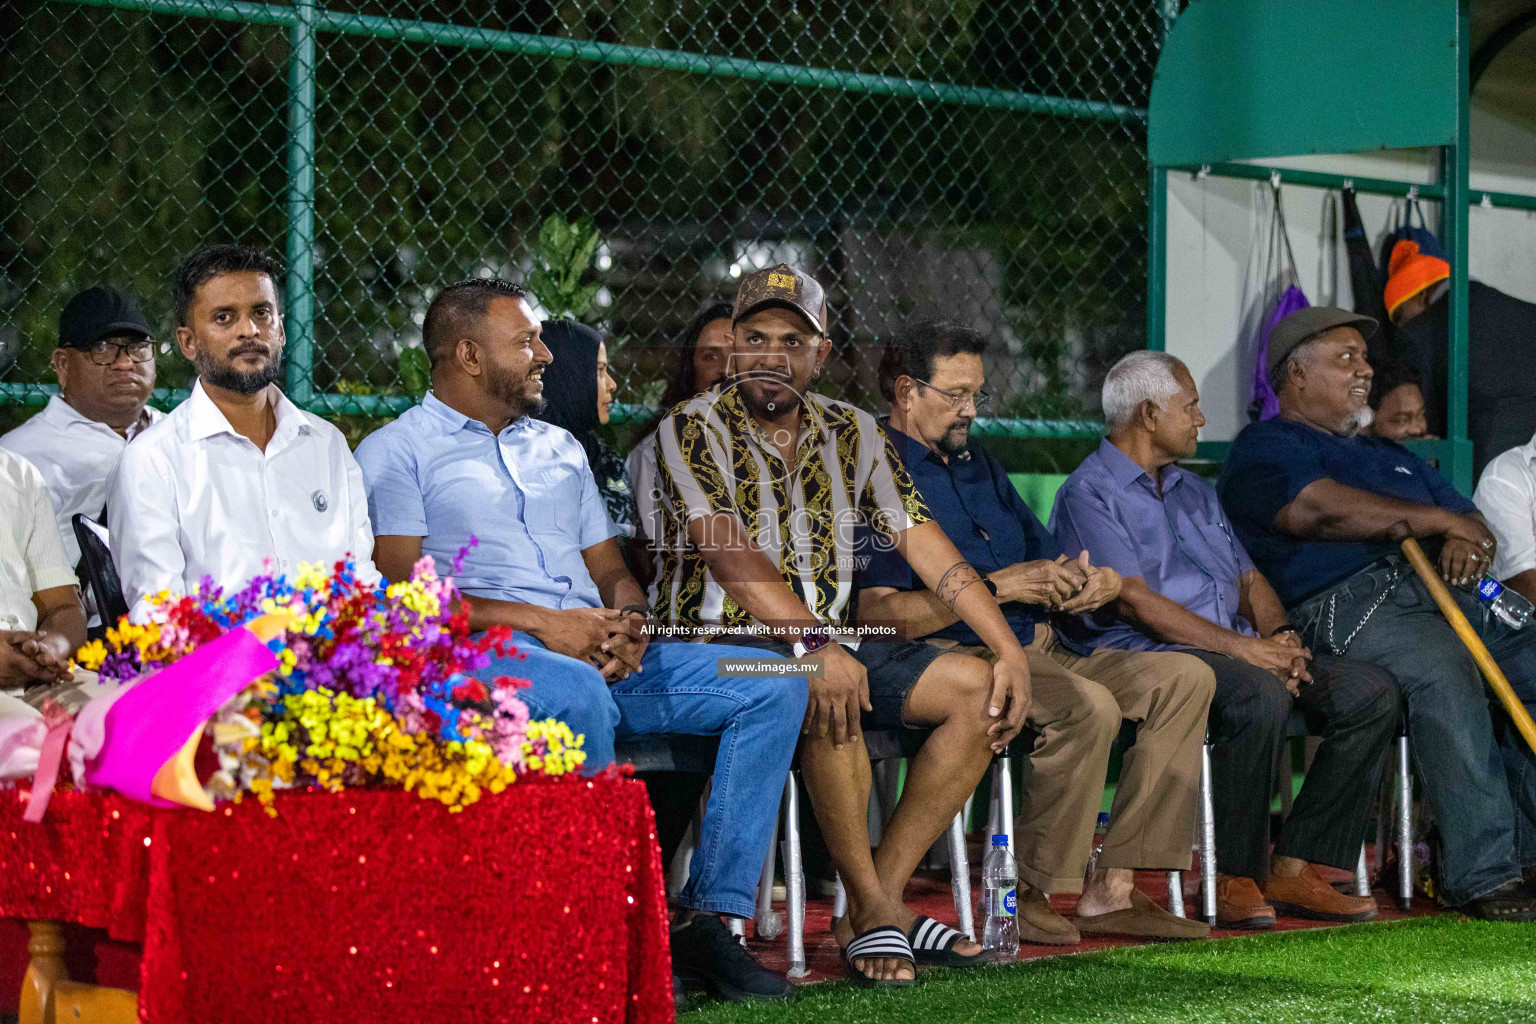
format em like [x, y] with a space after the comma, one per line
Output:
[1307, 895]
[1239, 904]
[1145, 920]
[1039, 924]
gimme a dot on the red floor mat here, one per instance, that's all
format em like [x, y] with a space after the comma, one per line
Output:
[929, 893]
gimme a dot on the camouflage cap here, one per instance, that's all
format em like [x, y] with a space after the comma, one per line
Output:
[782, 285]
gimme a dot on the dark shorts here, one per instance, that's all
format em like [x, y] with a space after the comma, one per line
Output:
[893, 668]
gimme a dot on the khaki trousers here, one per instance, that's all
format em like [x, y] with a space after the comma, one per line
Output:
[1077, 707]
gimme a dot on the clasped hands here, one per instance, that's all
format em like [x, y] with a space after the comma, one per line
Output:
[1068, 586]
[1283, 654]
[29, 657]
[610, 640]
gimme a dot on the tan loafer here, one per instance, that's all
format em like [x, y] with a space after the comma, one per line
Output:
[1239, 904]
[1039, 924]
[1307, 895]
[1144, 920]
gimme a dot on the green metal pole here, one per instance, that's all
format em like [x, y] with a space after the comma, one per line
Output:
[477, 38]
[1455, 175]
[1157, 260]
[299, 317]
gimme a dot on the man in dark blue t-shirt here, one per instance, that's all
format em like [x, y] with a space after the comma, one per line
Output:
[932, 376]
[1321, 508]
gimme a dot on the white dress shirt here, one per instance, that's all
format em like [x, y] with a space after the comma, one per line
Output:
[1506, 496]
[74, 454]
[642, 484]
[190, 498]
[31, 557]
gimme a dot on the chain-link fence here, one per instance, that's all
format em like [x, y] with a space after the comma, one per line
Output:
[984, 162]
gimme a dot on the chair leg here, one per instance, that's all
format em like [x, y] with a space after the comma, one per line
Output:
[1362, 876]
[994, 808]
[768, 924]
[1002, 772]
[960, 876]
[1207, 839]
[1176, 893]
[794, 878]
[1404, 826]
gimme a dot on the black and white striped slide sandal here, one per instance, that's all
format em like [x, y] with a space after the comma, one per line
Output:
[886, 942]
[933, 945]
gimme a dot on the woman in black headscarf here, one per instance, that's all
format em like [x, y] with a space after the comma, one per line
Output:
[578, 394]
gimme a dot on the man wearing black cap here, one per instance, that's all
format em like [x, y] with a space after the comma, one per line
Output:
[1321, 507]
[764, 485]
[105, 363]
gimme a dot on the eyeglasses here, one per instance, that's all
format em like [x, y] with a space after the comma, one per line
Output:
[980, 401]
[106, 352]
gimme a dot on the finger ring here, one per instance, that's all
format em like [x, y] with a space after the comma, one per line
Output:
[1487, 545]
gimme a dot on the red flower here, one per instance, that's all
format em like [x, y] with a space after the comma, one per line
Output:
[471, 690]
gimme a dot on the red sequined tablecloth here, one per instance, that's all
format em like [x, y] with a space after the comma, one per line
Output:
[542, 903]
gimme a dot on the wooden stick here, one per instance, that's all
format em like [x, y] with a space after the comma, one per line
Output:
[1473, 642]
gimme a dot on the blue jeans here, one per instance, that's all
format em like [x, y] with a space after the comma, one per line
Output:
[678, 691]
[1480, 784]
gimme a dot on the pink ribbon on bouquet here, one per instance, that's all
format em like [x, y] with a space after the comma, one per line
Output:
[58, 723]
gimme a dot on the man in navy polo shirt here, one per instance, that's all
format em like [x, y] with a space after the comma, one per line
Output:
[1321, 507]
[932, 377]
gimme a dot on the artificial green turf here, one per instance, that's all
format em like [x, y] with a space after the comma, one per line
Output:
[1430, 969]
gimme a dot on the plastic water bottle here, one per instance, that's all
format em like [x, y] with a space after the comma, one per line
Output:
[1512, 609]
[1099, 832]
[1000, 899]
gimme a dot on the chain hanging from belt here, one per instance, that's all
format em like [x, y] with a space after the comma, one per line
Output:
[1399, 573]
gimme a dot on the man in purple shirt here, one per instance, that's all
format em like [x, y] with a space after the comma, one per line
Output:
[1189, 585]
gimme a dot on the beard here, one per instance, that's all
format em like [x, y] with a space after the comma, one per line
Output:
[788, 399]
[1357, 421]
[954, 440]
[511, 388]
[222, 373]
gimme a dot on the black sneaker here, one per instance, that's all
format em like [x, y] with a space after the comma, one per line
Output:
[705, 952]
[1512, 901]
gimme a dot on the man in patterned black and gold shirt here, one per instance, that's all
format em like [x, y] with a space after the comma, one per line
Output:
[761, 486]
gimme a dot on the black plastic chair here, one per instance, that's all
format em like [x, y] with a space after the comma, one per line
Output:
[97, 571]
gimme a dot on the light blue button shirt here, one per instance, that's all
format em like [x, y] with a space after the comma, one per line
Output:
[527, 494]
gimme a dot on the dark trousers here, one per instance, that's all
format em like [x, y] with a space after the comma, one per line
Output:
[1352, 705]
[1480, 779]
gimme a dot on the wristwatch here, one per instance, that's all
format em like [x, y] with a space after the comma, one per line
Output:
[811, 641]
[1287, 628]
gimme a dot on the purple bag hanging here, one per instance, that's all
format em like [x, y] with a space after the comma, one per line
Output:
[1264, 403]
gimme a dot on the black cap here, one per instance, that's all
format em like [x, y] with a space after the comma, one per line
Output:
[1305, 324]
[99, 312]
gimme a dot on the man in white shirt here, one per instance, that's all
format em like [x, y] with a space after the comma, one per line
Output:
[41, 625]
[105, 363]
[1506, 496]
[237, 475]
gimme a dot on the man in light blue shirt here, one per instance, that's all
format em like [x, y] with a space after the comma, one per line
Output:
[469, 462]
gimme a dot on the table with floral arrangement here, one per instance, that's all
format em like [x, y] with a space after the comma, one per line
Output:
[393, 839]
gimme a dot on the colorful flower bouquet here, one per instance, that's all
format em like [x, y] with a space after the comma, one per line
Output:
[374, 687]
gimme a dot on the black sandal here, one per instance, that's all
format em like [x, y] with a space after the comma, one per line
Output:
[933, 945]
[886, 942]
